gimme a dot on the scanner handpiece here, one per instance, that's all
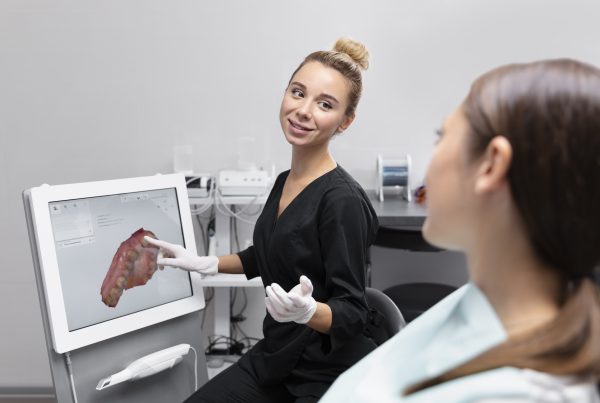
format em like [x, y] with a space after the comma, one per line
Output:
[147, 365]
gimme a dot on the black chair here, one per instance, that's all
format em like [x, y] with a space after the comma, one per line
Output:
[412, 298]
[415, 298]
[385, 319]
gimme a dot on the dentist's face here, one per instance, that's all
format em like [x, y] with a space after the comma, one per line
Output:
[314, 105]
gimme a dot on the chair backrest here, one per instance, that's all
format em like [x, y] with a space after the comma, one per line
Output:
[386, 319]
[415, 298]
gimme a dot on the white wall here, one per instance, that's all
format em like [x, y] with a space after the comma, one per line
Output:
[103, 89]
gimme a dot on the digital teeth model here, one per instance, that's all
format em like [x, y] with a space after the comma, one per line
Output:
[133, 264]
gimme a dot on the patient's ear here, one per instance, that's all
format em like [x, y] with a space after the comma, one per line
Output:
[494, 165]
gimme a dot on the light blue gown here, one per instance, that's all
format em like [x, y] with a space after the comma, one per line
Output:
[460, 327]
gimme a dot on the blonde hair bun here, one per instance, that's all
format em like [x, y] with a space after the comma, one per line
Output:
[355, 50]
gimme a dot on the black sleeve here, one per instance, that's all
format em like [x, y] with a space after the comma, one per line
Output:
[345, 229]
[248, 258]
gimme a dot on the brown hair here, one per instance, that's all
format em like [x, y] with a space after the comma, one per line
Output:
[348, 57]
[550, 113]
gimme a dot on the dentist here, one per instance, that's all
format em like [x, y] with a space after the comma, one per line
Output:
[310, 247]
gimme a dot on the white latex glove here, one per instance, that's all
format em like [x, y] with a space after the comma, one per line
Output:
[298, 305]
[179, 257]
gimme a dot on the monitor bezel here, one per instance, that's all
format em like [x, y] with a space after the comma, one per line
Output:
[64, 340]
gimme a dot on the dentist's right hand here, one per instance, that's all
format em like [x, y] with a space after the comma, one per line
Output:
[179, 257]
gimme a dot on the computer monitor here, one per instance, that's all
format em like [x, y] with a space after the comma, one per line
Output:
[97, 277]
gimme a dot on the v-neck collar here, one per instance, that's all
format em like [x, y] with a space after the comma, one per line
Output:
[278, 215]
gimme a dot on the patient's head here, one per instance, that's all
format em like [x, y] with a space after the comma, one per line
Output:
[547, 114]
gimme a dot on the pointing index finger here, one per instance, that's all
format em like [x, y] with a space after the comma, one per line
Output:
[159, 243]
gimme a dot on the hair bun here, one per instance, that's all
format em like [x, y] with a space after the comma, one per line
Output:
[356, 50]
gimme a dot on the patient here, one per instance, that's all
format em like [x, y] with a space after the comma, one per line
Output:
[514, 182]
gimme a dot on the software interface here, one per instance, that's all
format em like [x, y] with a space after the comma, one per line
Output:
[95, 238]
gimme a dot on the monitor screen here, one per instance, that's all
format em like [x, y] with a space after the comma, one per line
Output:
[99, 276]
[88, 233]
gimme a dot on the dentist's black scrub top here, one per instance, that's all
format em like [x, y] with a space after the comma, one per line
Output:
[324, 233]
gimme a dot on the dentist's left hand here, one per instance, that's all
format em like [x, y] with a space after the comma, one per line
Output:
[298, 305]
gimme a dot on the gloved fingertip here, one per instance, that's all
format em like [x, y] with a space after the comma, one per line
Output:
[306, 286]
